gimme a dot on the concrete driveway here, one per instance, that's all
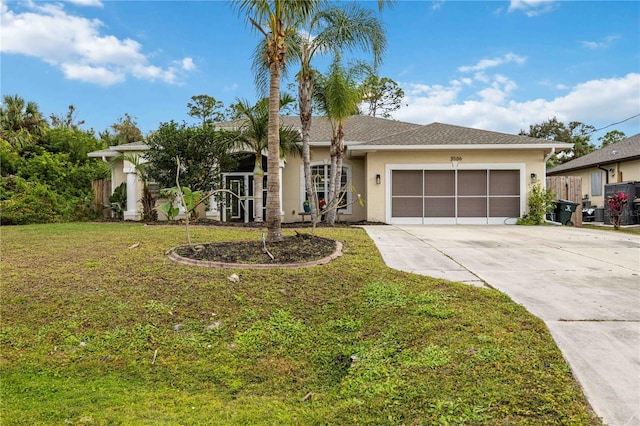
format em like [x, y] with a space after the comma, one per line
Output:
[584, 284]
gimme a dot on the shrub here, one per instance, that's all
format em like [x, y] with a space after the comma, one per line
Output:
[541, 201]
[24, 202]
[118, 201]
[615, 208]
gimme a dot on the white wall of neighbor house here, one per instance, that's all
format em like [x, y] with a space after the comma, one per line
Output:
[293, 185]
[532, 162]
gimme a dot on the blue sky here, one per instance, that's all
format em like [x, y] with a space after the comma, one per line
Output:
[498, 65]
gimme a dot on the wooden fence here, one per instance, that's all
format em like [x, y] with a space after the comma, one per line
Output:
[568, 188]
[101, 194]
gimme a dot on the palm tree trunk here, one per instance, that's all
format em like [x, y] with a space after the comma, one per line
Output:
[274, 220]
[331, 198]
[338, 183]
[305, 88]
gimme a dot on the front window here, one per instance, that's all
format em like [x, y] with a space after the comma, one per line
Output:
[320, 174]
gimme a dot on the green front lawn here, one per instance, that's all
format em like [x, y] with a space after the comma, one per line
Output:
[94, 332]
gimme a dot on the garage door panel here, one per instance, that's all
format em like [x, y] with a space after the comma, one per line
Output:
[439, 183]
[472, 207]
[406, 207]
[472, 182]
[504, 206]
[504, 182]
[440, 207]
[406, 183]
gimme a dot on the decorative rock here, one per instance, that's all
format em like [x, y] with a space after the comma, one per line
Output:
[178, 327]
[234, 278]
[213, 326]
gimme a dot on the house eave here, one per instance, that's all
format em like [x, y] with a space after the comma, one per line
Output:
[106, 153]
[362, 149]
[121, 148]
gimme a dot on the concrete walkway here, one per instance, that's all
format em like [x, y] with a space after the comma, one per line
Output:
[584, 284]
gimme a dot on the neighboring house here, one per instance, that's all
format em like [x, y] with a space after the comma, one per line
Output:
[618, 162]
[407, 173]
[123, 171]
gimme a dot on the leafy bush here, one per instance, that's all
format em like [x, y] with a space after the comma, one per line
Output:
[615, 208]
[24, 202]
[541, 201]
[118, 201]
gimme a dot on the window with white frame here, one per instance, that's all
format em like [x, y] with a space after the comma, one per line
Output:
[596, 183]
[321, 173]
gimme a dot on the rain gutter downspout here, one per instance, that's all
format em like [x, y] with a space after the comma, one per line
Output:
[606, 173]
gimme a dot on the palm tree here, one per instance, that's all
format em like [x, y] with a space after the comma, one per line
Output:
[21, 123]
[277, 21]
[338, 95]
[254, 135]
[331, 30]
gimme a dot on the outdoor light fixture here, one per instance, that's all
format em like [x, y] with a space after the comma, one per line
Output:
[378, 179]
[534, 177]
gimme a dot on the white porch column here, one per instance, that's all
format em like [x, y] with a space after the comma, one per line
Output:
[132, 191]
[212, 212]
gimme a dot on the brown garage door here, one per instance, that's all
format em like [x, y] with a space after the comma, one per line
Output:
[455, 194]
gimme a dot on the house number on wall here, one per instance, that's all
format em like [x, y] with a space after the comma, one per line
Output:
[456, 158]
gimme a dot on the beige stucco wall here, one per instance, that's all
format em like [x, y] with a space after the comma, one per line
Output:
[377, 163]
[293, 185]
[629, 170]
[617, 172]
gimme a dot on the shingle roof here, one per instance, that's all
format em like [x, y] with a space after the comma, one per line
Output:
[446, 134]
[364, 132]
[359, 128]
[625, 150]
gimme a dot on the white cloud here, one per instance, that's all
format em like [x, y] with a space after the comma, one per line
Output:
[595, 102]
[187, 64]
[606, 42]
[494, 62]
[532, 8]
[77, 47]
[97, 3]
[89, 74]
[436, 5]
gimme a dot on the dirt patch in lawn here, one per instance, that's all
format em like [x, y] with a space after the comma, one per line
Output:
[296, 250]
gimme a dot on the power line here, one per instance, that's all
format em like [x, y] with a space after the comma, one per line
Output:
[613, 124]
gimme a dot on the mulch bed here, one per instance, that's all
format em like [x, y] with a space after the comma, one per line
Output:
[299, 248]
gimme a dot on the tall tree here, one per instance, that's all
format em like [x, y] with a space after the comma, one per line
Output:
[382, 96]
[125, 131]
[331, 30]
[277, 21]
[21, 123]
[254, 136]
[577, 133]
[198, 149]
[207, 109]
[66, 121]
[338, 94]
[611, 137]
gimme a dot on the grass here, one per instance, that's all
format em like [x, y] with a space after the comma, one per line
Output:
[633, 230]
[93, 332]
